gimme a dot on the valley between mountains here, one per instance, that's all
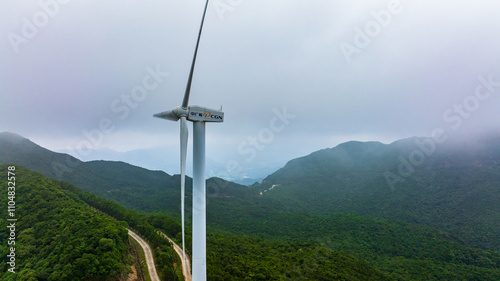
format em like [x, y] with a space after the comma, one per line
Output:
[332, 215]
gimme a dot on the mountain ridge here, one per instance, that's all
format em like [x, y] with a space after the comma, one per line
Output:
[448, 186]
[131, 186]
[312, 202]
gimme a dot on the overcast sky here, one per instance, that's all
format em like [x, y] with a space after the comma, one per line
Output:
[292, 76]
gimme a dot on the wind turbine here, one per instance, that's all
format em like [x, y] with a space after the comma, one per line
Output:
[199, 115]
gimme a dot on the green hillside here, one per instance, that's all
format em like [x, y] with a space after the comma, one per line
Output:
[454, 189]
[400, 250]
[439, 223]
[131, 186]
[63, 238]
[242, 258]
[57, 236]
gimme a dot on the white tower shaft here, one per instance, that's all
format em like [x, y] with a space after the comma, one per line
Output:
[199, 261]
[198, 115]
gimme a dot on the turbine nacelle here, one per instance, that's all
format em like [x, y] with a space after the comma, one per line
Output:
[205, 114]
[193, 113]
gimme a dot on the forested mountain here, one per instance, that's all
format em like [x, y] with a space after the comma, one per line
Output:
[133, 187]
[56, 235]
[61, 234]
[434, 218]
[400, 250]
[453, 186]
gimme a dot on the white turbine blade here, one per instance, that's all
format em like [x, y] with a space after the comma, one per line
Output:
[185, 101]
[184, 141]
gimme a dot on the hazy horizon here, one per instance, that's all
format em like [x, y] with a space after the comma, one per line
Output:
[163, 160]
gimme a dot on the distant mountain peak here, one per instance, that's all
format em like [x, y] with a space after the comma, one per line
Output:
[359, 143]
[356, 146]
[12, 137]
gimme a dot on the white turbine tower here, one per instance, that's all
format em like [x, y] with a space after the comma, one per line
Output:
[198, 115]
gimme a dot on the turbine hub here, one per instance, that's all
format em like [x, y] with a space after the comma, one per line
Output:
[174, 114]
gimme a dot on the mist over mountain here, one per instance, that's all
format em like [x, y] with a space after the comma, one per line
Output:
[453, 186]
[167, 160]
[102, 177]
[414, 209]
[134, 187]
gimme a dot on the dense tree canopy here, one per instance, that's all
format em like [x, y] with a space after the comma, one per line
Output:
[326, 216]
[58, 236]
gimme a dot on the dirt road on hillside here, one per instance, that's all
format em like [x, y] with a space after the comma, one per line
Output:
[186, 269]
[149, 255]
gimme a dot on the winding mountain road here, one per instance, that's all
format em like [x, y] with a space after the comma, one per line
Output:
[186, 268]
[149, 255]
